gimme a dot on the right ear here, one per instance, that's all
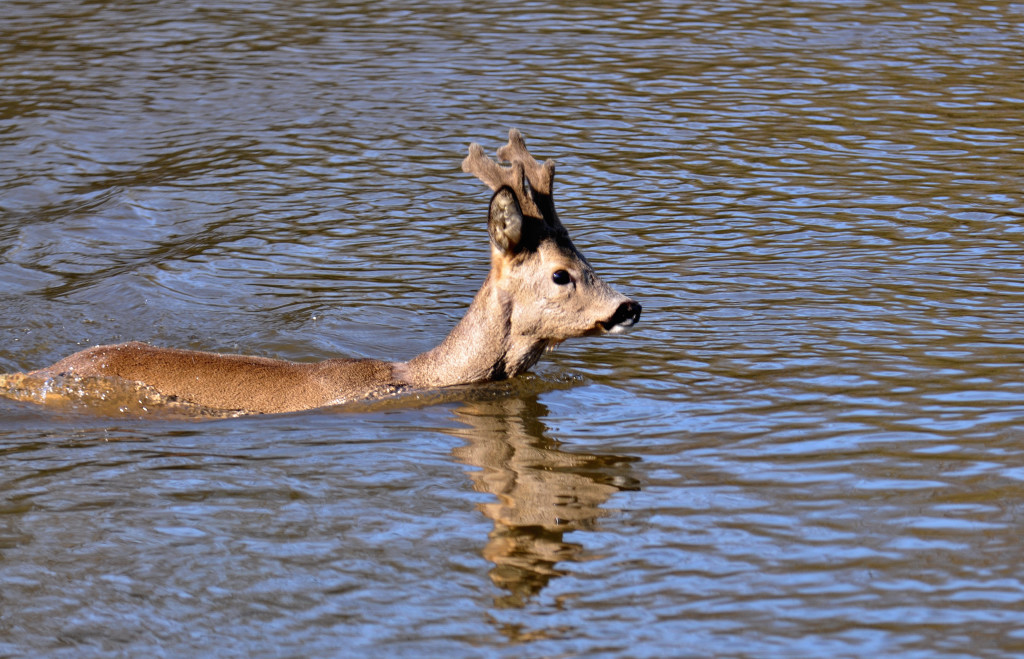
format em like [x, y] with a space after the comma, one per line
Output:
[505, 221]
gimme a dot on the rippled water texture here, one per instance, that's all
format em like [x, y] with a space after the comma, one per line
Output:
[810, 446]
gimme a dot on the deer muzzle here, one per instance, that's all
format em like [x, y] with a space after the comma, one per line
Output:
[627, 315]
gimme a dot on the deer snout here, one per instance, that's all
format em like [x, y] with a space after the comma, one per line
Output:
[627, 315]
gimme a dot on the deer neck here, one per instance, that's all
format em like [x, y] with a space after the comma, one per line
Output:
[481, 347]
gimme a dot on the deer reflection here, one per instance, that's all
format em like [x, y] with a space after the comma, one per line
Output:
[543, 492]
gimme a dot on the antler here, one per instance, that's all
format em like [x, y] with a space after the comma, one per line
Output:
[542, 177]
[530, 181]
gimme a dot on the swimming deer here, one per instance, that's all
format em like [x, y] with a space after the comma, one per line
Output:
[539, 292]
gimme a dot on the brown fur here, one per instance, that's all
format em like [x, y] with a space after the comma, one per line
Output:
[231, 382]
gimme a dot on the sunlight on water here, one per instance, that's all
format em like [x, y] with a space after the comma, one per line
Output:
[809, 446]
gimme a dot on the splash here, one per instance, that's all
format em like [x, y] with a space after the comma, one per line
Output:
[102, 396]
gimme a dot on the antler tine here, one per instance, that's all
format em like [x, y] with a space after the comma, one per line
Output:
[542, 176]
[496, 176]
[479, 165]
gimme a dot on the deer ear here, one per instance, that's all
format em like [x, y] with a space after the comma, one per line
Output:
[505, 221]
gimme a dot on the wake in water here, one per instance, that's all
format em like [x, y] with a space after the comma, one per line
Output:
[101, 395]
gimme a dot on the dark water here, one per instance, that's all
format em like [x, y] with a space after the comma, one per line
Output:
[812, 444]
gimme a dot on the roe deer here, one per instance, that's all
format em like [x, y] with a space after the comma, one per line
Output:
[539, 292]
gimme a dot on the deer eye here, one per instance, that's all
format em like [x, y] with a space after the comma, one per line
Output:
[561, 277]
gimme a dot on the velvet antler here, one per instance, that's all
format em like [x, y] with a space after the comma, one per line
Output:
[530, 180]
[541, 176]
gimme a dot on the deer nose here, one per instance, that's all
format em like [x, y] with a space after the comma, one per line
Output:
[627, 315]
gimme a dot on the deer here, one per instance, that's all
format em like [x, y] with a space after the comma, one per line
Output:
[539, 292]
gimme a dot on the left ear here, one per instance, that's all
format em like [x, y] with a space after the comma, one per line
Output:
[505, 221]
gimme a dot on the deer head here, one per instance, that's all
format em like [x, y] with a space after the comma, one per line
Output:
[548, 290]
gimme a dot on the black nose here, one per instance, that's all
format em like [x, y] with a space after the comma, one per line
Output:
[627, 314]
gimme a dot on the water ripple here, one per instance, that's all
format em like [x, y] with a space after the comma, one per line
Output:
[809, 446]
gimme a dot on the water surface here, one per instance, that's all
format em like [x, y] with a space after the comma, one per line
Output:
[810, 446]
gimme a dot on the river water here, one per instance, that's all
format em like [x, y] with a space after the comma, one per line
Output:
[810, 446]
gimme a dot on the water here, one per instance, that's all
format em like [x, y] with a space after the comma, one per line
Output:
[810, 446]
